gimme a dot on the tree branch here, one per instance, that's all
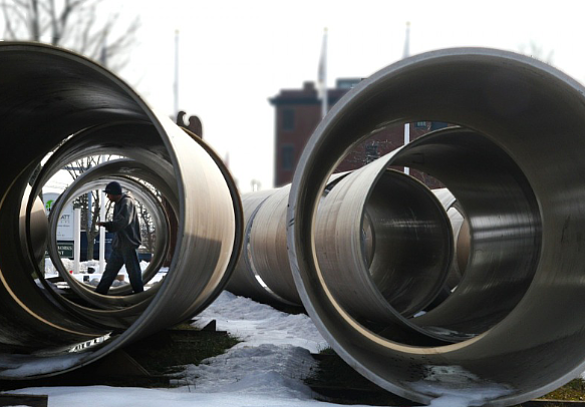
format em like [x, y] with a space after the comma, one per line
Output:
[9, 30]
[70, 23]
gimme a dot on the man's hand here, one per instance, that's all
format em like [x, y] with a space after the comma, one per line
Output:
[101, 223]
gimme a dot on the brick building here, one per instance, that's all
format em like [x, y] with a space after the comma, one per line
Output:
[298, 112]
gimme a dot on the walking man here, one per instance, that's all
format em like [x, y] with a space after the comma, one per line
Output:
[126, 240]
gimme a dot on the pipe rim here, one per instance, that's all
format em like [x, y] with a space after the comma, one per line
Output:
[304, 196]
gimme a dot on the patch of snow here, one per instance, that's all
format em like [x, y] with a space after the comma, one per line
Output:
[263, 369]
[456, 387]
[104, 396]
[258, 324]
[20, 365]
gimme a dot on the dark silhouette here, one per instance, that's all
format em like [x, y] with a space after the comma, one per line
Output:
[194, 124]
[126, 240]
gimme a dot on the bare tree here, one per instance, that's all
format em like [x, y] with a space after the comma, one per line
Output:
[85, 27]
[146, 228]
[73, 24]
[89, 203]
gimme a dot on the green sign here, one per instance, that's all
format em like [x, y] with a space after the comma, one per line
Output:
[65, 249]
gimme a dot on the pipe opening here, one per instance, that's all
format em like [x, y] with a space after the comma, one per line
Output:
[498, 245]
[59, 107]
[384, 245]
[149, 199]
[512, 166]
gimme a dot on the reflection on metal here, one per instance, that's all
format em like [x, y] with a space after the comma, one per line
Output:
[263, 271]
[267, 247]
[514, 165]
[459, 226]
[246, 280]
[38, 231]
[410, 242]
[58, 102]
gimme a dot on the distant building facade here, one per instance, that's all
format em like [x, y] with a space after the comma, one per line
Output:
[297, 114]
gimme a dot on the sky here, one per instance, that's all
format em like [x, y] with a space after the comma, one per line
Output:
[234, 55]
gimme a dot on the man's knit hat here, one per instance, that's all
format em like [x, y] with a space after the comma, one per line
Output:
[113, 188]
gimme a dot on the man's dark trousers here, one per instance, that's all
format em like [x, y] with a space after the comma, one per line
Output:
[118, 257]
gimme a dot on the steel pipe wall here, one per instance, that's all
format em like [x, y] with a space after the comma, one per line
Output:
[460, 228]
[384, 236]
[263, 272]
[267, 248]
[96, 179]
[260, 267]
[369, 253]
[515, 321]
[57, 102]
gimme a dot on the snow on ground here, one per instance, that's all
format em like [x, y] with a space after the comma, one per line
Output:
[93, 277]
[101, 396]
[273, 358]
[257, 324]
[265, 370]
[261, 370]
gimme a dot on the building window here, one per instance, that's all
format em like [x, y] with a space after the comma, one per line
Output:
[372, 152]
[347, 83]
[288, 119]
[438, 125]
[288, 157]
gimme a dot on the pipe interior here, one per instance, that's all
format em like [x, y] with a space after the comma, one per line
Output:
[460, 245]
[122, 295]
[268, 250]
[504, 223]
[384, 253]
[59, 104]
[515, 169]
[132, 176]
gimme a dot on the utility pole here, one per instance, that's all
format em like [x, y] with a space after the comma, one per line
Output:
[406, 54]
[176, 83]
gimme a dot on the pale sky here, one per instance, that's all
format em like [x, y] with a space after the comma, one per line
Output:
[235, 54]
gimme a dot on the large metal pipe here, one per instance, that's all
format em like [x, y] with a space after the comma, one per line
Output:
[263, 272]
[50, 94]
[96, 179]
[384, 235]
[247, 278]
[267, 247]
[517, 315]
[460, 228]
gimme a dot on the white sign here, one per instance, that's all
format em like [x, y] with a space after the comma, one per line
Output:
[65, 223]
